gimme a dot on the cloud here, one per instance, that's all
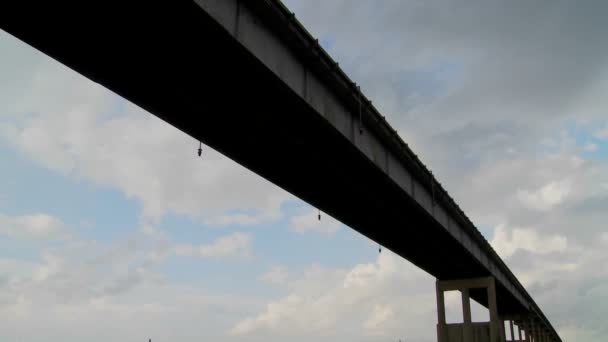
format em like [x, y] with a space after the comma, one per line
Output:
[309, 221]
[277, 275]
[36, 226]
[359, 303]
[508, 241]
[102, 290]
[567, 284]
[590, 147]
[145, 311]
[379, 316]
[545, 198]
[244, 219]
[602, 134]
[233, 245]
[75, 127]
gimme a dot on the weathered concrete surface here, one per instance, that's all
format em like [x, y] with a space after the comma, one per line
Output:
[492, 331]
[246, 78]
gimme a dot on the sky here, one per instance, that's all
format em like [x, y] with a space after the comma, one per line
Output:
[111, 228]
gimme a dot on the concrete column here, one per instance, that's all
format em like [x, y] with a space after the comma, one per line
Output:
[494, 319]
[466, 315]
[466, 305]
[496, 325]
[519, 329]
[533, 335]
[530, 331]
[440, 313]
[511, 330]
[519, 332]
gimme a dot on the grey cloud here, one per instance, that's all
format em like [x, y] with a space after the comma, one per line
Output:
[521, 63]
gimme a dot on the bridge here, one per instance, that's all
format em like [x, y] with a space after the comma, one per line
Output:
[246, 78]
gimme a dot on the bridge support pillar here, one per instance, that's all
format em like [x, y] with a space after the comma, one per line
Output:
[515, 328]
[528, 326]
[522, 330]
[533, 331]
[492, 331]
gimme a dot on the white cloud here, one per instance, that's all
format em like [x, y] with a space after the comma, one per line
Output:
[233, 245]
[97, 291]
[148, 160]
[245, 219]
[379, 316]
[507, 241]
[35, 226]
[73, 126]
[309, 221]
[546, 197]
[158, 310]
[360, 303]
[590, 147]
[602, 133]
[568, 281]
[277, 275]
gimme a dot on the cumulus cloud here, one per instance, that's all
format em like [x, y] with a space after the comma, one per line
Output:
[590, 147]
[144, 310]
[360, 303]
[74, 126]
[602, 134]
[87, 289]
[233, 245]
[507, 241]
[568, 284]
[146, 159]
[545, 198]
[380, 315]
[243, 219]
[35, 226]
[309, 221]
[277, 275]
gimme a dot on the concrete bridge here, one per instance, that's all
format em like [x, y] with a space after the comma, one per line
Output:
[245, 77]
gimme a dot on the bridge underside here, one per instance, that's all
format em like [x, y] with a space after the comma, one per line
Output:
[176, 62]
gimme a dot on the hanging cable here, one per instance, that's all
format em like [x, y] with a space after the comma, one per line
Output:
[200, 148]
[379, 249]
[319, 215]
